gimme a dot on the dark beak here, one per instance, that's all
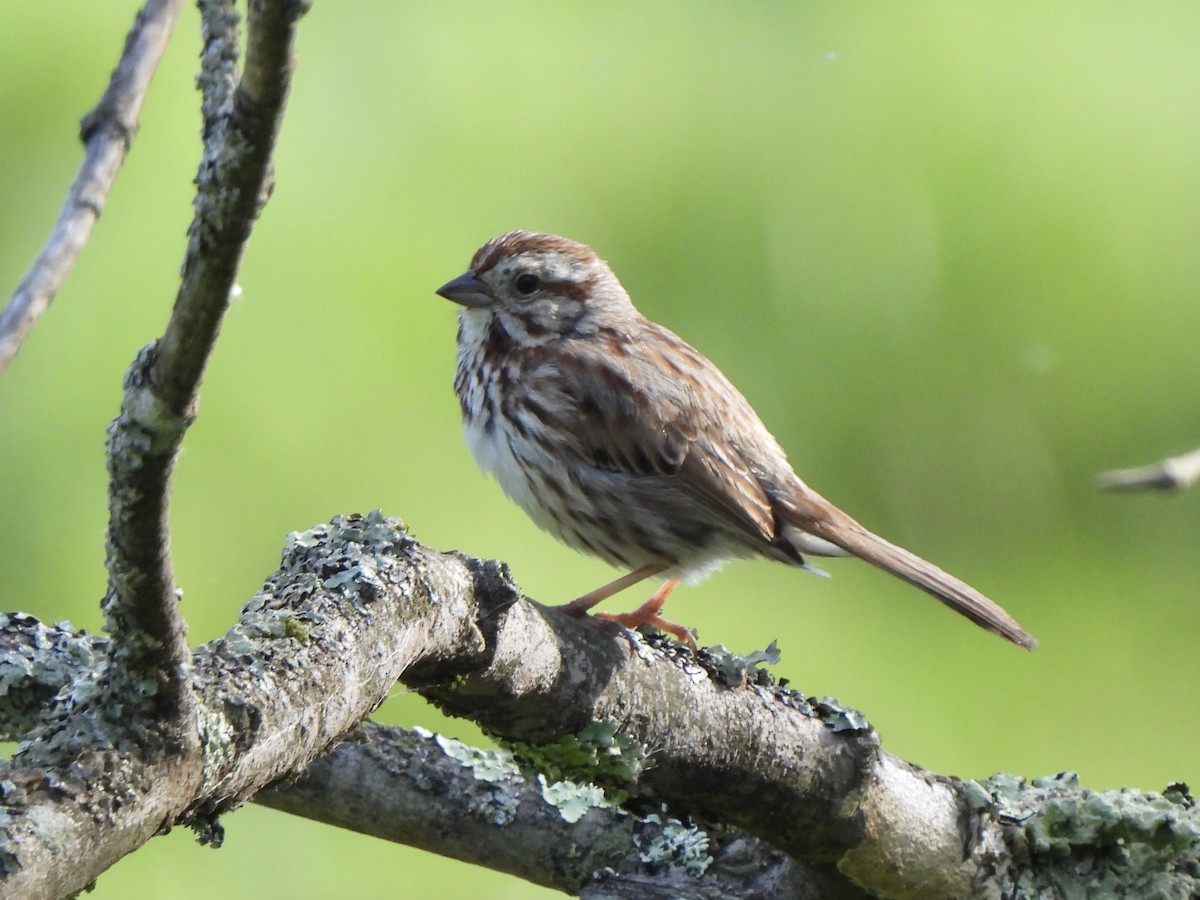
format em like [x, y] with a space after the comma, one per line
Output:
[467, 290]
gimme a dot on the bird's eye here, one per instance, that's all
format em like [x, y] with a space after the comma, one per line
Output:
[526, 284]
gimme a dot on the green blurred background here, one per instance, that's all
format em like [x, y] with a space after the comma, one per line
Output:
[951, 252]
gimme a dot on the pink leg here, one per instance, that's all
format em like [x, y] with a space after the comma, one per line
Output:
[587, 601]
[648, 614]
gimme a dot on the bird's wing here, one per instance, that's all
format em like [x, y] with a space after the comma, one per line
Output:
[624, 413]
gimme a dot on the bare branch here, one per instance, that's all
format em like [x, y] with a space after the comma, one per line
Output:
[240, 125]
[107, 132]
[1176, 473]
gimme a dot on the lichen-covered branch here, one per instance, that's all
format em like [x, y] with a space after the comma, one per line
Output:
[118, 756]
[36, 662]
[808, 776]
[1065, 841]
[107, 132]
[357, 604]
[352, 606]
[406, 786]
[1175, 473]
[241, 120]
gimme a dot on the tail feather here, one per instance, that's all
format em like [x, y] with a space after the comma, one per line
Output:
[838, 528]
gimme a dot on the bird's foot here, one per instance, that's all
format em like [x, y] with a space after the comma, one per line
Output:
[637, 618]
[646, 614]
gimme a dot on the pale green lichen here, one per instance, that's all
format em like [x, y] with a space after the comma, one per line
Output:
[355, 556]
[295, 629]
[978, 797]
[218, 737]
[732, 669]
[572, 799]
[499, 806]
[374, 529]
[38, 662]
[383, 530]
[1067, 841]
[599, 754]
[486, 765]
[343, 578]
[305, 540]
[269, 623]
[660, 842]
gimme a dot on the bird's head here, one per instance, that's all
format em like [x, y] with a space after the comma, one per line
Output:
[539, 286]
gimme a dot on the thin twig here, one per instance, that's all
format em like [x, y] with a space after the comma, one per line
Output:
[107, 132]
[1176, 473]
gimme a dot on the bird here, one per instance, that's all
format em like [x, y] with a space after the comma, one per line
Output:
[626, 443]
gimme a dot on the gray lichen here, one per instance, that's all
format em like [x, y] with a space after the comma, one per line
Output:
[36, 662]
[598, 753]
[732, 669]
[485, 765]
[571, 798]
[677, 844]
[840, 718]
[1068, 841]
[285, 621]
[52, 697]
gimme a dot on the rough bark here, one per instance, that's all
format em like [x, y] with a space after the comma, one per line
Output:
[708, 741]
[482, 807]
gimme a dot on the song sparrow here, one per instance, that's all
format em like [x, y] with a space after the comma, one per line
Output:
[626, 443]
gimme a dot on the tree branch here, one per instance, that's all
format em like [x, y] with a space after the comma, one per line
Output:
[350, 608]
[406, 786]
[107, 132]
[1175, 473]
[241, 121]
[234, 181]
[121, 743]
[836, 801]
[356, 604]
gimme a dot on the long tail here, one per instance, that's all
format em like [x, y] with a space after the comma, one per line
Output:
[816, 516]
